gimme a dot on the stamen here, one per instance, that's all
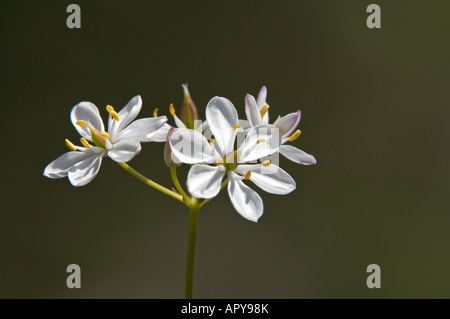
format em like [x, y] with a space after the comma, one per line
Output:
[84, 142]
[82, 124]
[172, 110]
[113, 113]
[294, 136]
[264, 110]
[104, 134]
[236, 126]
[266, 162]
[211, 140]
[219, 161]
[70, 145]
[155, 112]
[248, 174]
[260, 140]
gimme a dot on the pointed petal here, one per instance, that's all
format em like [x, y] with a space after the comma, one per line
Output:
[297, 155]
[126, 116]
[191, 147]
[251, 150]
[88, 112]
[159, 135]
[179, 123]
[244, 199]
[261, 101]
[252, 110]
[61, 166]
[288, 123]
[262, 96]
[270, 178]
[124, 150]
[140, 129]
[85, 171]
[204, 181]
[222, 117]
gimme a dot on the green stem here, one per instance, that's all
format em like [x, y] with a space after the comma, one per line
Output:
[173, 172]
[149, 182]
[193, 222]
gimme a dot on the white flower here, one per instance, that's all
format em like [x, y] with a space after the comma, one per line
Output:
[257, 113]
[204, 181]
[121, 142]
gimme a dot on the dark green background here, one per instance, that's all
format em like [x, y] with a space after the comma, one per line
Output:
[375, 111]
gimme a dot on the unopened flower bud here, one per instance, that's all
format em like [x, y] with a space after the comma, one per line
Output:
[188, 111]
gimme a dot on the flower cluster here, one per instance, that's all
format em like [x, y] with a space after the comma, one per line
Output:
[224, 151]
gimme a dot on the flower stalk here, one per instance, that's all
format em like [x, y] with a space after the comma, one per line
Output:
[149, 182]
[193, 223]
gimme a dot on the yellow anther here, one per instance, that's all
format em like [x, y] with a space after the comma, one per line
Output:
[211, 140]
[155, 112]
[104, 134]
[84, 142]
[219, 161]
[260, 140]
[248, 174]
[264, 110]
[70, 145]
[266, 162]
[172, 110]
[82, 124]
[113, 113]
[236, 126]
[294, 136]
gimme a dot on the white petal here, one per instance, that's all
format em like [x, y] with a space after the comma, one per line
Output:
[204, 181]
[88, 112]
[179, 123]
[251, 150]
[270, 178]
[288, 123]
[191, 147]
[244, 199]
[159, 135]
[261, 101]
[125, 150]
[201, 126]
[140, 129]
[61, 166]
[262, 96]
[252, 110]
[297, 155]
[85, 171]
[222, 116]
[126, 116]
[244, 124]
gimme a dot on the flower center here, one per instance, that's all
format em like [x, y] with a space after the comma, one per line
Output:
[230, 161]
[99, 138]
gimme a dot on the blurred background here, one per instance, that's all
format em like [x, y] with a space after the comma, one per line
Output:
[375, 110]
